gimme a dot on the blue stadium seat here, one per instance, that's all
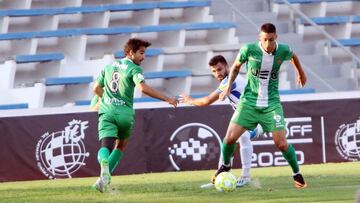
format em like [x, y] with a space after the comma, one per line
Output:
[168, 74]
[329, 20]
[149, 52]
[39, 57]
[103, 8]
[82, 102]
[116, 30]
[14, 106]
[68, 80]
[349, 42]
[297, 91]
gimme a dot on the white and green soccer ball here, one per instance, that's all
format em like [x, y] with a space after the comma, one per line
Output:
[225, 182]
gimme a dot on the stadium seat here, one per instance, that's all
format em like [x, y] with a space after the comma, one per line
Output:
[297, 91]
[14, 106]
[167, 74]
[349, 42]
[116, 30]
[106, 15]
[337, 26]
[68, 80]
[103, 8]
[39, 57]
[316, 8]
[149, 52]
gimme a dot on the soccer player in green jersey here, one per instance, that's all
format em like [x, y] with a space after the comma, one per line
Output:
[260, 102]
[115, 90]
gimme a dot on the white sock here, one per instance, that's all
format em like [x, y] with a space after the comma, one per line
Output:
[246, 150]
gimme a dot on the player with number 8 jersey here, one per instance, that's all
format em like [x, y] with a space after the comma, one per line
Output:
[115, 91]
[120, 77]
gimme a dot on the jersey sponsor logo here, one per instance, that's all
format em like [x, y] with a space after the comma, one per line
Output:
[192, 143]
[114, 101]
[274, 75]
[347, 141]
[119, 65]
[62, 153]
[264, 74]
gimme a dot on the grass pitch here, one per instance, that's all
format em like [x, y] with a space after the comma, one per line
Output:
[326, 183]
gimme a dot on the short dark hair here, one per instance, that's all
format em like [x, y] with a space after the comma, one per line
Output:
[134, 44]
[217, 59]
[268, 28]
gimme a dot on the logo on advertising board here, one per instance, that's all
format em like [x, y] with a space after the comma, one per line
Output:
[60, 154]
[193, 142]
[347, 141]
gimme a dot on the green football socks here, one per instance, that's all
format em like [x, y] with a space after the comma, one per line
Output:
[227, 152]
[290, 157]
[115, 158]
[103, 153]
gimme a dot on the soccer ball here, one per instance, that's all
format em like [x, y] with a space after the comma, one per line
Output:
[225, 182]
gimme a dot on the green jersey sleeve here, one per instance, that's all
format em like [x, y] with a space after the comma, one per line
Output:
[101, 77]
[288, 53]
[242, 57]
[94, 101]
[138, 76]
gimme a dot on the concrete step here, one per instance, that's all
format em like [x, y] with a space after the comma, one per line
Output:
[245, 6]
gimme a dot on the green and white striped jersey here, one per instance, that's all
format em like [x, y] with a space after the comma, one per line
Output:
[119, 80]
[262, 74]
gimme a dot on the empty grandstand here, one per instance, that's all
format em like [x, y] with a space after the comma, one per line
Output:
[52, 51]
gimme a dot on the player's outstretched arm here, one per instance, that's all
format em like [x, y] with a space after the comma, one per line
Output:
[301, 77]
[146, 89]
[203, 101]
[234, 71]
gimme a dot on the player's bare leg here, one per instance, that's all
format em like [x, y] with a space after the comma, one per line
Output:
[233, 133]
[289, 154]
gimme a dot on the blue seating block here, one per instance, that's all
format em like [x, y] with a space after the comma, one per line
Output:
[332, 20]
[68, 80]
[103, 8]
[116, 30]
[149, 52]
[14, 106]
[297, 91]
[168, 74]
[349, 42]
[82, 103]
[39, 57]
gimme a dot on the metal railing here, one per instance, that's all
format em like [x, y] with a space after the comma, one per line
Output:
[330, 38]
[355, 58]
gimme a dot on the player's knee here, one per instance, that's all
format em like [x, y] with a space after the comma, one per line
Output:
[281, 145]
[229, 140]
[120, 146]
